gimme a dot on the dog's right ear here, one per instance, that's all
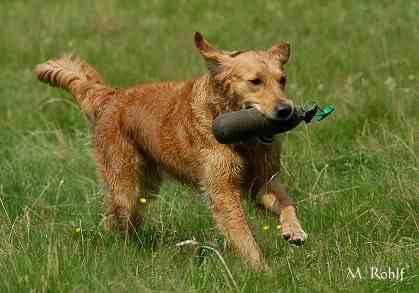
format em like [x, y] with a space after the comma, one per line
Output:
[213, 56]
[204, 47]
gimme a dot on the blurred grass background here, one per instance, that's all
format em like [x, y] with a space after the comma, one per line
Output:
[354, 176]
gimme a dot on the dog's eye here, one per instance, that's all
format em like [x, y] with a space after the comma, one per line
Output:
[256, 81]
[283, 81]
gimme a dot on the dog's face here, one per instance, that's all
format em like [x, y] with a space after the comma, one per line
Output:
[251, 78]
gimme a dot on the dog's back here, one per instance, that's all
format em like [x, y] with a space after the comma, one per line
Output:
[158, 118]
[166, 124]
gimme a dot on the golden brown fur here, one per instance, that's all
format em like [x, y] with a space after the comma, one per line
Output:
[140, 131]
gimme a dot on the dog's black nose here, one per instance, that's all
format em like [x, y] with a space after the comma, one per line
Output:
[283, 111]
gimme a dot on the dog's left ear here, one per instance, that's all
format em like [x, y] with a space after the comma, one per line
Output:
[281, 50]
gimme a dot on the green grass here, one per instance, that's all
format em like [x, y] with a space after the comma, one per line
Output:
[355, 176]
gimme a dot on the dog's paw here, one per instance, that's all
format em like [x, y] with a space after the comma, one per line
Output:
[293, 233]
[122, 220]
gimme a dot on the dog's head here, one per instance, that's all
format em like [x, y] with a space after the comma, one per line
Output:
[250, 78]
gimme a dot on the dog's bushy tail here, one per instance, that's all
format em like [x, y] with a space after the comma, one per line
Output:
[80, 79]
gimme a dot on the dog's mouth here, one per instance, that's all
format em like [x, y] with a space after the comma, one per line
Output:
[247, 106]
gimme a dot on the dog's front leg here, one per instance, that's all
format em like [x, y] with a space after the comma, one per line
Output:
[271, 193]
[230, 219]
[222, 182]
[274, 197]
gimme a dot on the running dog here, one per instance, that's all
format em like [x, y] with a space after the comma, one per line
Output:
[141, 131]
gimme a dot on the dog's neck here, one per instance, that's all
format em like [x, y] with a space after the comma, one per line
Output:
[208, 102]
[211, 97]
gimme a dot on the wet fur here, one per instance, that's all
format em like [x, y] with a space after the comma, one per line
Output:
[140, 131]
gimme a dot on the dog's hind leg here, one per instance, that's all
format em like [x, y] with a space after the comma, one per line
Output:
[119, 164]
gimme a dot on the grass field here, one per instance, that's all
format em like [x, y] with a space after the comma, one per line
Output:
[355, 176]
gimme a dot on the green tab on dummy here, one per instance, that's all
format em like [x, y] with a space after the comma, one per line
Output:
[324, 112]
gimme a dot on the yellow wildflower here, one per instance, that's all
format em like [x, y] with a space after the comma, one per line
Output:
[143, 200]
